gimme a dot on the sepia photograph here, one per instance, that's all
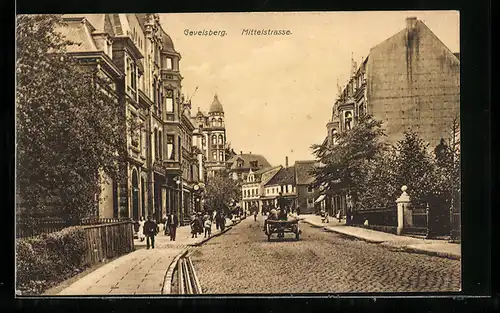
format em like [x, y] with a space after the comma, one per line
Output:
[168, 154]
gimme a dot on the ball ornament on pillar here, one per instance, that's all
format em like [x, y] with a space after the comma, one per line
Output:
[404, 188]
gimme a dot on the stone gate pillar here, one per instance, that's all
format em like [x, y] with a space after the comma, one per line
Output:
[404, 211]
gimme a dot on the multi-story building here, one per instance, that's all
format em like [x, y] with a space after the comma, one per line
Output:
[283, 181]
[304, 180]
[252, 190]
[213, 130]
[409, 81]
[240, 165]
[140, 58]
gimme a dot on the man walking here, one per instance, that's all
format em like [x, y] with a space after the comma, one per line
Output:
[172, 223]
[150, 230]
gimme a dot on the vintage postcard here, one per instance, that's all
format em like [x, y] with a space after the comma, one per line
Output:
[238, 153]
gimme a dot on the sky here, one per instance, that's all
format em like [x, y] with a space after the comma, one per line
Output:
[278, 91]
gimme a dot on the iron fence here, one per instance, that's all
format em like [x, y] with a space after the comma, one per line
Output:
[30, 226]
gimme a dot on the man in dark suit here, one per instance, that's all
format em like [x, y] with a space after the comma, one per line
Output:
[150, 230]
[172, 223]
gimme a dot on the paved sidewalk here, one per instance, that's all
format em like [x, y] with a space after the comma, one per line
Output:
[435, 247]
[182, 238]
[140, 272]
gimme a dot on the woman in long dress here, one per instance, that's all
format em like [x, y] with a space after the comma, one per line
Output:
[140, 233]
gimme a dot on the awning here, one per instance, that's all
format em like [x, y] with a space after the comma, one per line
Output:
[320, 198]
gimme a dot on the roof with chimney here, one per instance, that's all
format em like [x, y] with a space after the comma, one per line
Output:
[247, 159]
[303, 172]
[285, 176]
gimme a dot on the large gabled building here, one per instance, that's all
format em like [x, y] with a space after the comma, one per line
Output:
[409, 81]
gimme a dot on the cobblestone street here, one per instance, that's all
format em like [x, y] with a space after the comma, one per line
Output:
[242, 261]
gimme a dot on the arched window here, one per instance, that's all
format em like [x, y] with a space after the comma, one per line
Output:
[221, 140]
[220, 122]
[347, 120]
[203, 141]
[214, 156]
[221, 156]
[214, 139]
[213, 122]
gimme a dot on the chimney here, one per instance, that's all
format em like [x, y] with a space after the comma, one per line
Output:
[286, 161]
[411, 23]
[241, 152]
[250, 152]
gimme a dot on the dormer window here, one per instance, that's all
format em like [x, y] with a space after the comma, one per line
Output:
[254, 164]
[239, 163]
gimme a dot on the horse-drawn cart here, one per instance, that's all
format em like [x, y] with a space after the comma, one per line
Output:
[281, 227]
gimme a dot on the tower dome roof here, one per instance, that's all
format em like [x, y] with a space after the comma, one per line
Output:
[167, 43]
[216, 106]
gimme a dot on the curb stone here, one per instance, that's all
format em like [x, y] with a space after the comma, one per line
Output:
[404, 248]
[433, 253]
[167, 282]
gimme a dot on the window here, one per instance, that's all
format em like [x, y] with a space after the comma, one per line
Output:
[221, 156]
[169, 63]
[240, 163]
[214, 156]
[170, 147]
[347, 120]
[134, 76]
[154, 91]
[361, 110]
[203, 141]
[156, 143]
[310, 189]
[213, 121]
[143, 141]
[286, 188]
[160, 144]
[170, 101]
[220, 122]
[309, 201]
[254, 163]
[334, 136]
[221, 140]
[214, 139]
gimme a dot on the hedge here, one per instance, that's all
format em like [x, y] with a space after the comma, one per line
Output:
[48, 259]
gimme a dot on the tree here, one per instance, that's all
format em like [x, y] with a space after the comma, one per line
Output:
[69, 124]
[221, 190]
[346, 164]
[414, 168]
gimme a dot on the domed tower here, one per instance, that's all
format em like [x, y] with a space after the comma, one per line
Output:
[216, 133]
[171, 79]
